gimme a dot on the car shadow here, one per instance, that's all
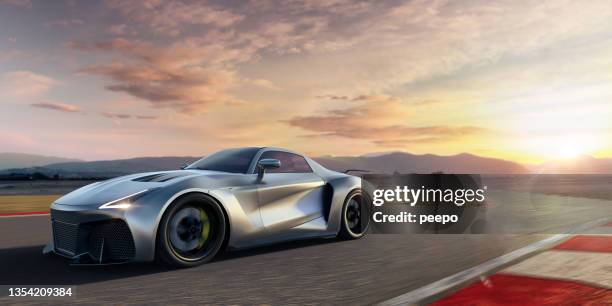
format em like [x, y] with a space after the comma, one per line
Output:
[229, 255]
[28, 266]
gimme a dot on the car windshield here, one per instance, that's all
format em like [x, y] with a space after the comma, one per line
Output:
[231, 160]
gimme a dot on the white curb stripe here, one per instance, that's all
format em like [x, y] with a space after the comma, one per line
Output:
[590, 267]
[457, 279]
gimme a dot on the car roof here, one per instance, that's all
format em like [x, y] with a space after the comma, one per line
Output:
[280, 149]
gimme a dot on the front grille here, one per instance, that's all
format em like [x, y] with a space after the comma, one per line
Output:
[105, 241]
[65, 216]
[112, 240]
[66, 237]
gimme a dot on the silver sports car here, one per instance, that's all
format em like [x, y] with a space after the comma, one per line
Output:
[237, 198]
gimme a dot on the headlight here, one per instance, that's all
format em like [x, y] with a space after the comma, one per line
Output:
[124, 202]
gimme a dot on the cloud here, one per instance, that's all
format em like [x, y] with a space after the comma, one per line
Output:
[145, 117]
[116, 115]
[25, 84]
[196, 64]
[175, 77]
[19, 3]
[112, 115]
[396, 44]
[64, 22]
[332, 97]
[190, 56]
[262, 83]
[169, 17]
[120, 29]
[58, 106]
[428, 102]
[378, 119]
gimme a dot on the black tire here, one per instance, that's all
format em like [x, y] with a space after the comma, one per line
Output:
[191, 232]
[348, 229]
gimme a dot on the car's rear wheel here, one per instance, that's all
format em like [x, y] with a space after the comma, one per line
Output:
[191, 232]
[355, 217]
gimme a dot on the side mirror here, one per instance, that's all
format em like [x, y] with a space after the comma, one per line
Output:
[266, 163]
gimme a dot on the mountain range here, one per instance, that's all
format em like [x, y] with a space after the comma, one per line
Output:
[100, 169]
[21, 160]
[15, 165]
[411, 163]
[583, 164]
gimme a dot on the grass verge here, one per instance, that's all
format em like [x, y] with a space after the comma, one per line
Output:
[26, 203]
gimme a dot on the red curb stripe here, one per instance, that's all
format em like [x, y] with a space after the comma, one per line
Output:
[24, 214]
[504, 289]
[587, 244]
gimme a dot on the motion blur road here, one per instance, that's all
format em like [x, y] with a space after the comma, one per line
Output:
[328, 271]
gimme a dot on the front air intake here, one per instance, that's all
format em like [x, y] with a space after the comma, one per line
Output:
[111, 241]
[65, 237]
[102, 241]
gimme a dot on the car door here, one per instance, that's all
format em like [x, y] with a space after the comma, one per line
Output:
[290, 195]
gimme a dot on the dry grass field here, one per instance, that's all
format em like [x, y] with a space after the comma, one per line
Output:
[26, 203]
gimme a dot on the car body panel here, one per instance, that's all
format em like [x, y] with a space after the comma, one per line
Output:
[287, 200]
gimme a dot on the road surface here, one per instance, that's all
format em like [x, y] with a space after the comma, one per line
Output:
[327, 271]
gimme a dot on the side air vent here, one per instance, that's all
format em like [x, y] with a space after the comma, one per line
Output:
[328, 194]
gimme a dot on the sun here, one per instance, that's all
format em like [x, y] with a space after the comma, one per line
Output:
[567, 151]
[559, 147]
[568, 146]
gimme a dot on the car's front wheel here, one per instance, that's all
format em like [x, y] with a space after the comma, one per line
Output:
[355, 217]
[191, 231]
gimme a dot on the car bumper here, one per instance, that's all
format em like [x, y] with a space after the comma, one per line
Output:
[91, 236]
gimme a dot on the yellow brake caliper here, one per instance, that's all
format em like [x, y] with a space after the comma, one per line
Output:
[205, 227]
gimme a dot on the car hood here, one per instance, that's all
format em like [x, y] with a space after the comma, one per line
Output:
[110, 190]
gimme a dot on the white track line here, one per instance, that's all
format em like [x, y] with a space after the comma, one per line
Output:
[457, 279]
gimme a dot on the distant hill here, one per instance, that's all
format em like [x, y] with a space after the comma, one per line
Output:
[21, 160]
[583, 164]
[401, 162]
[427, 163]
[101, 169]
[380, 162]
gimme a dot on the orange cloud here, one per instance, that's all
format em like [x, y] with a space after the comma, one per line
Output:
[378, 119]
[126, 116]
[165, 77]
[145, 117]
[116, 115]
[333, 97]
[58, 106]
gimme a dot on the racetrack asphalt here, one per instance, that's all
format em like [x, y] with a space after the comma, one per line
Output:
[321, 271]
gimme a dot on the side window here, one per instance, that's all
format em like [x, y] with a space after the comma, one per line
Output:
[290, 163]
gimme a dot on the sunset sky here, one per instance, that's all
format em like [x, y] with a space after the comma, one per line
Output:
[526, 81]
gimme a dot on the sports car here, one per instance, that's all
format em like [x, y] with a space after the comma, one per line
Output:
[235, 198]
